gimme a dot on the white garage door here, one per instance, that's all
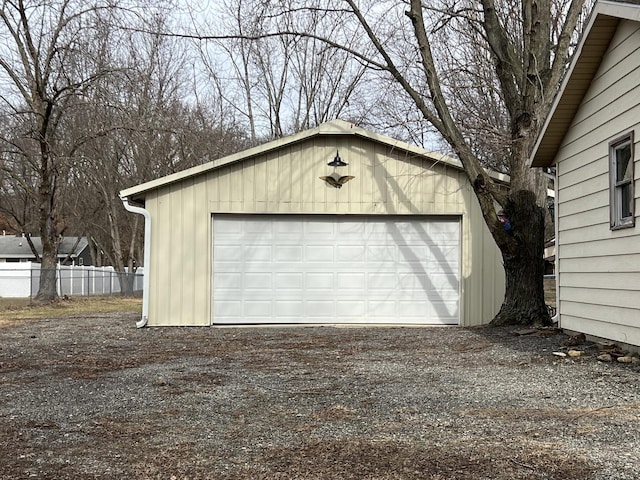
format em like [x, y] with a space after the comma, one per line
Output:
[287, 269]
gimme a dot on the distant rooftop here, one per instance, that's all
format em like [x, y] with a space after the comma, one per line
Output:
[18, 247]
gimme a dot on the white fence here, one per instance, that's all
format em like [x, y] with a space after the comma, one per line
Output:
[22, 280]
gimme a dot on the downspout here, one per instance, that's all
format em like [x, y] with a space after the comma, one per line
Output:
[147, 259]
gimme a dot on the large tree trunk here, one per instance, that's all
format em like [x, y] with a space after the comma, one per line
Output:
[126, 283]
[48, 278]
[125, 278]
[48, 273]
[523, 264]
[48, 228]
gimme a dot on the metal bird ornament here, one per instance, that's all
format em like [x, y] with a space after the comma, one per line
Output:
[336, 180]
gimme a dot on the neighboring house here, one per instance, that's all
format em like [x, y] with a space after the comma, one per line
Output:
[289, 232]
[550, 257]
[72, 251]
[591, 136]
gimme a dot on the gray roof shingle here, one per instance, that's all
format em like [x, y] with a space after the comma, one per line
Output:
[18, 247]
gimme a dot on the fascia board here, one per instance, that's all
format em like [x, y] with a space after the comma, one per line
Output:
[627, 11]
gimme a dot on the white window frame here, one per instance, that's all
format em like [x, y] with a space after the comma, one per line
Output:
[616, 185]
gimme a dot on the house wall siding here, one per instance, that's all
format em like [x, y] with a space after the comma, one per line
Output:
[599, 269]
[387, 181]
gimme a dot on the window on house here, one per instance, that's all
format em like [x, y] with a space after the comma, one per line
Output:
[621, 174]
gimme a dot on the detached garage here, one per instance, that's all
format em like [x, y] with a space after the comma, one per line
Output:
[334, 225]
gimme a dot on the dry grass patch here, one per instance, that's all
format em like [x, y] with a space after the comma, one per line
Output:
[626, 412]
[390, 460]
[12, 309]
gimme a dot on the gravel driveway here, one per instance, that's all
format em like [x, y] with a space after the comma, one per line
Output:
[87, 398]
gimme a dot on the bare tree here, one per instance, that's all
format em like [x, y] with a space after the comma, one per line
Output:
[18, 179]
[92, 105]
[39, 71]
[141, 122]
[280, 84]
[329, 82]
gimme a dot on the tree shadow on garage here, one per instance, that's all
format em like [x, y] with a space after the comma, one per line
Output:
[439, 305]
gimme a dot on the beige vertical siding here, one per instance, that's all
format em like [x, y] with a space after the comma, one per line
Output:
[387, 181]
[179, 292]
[599, 269]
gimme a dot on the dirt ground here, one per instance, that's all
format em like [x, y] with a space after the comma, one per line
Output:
[89, 398]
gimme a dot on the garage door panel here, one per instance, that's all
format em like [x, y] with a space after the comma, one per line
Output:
[438, 234]
[382, 308]
[446, 311]
[350, 253]
[229, 253]
[328, 269]
[319, 281]
[257, 280]
[290, 281]
[350, 281]
[229, 310]
[420, 297]
[230, 280]
[260, 296]
[380, 253]
[413, 269]
[382, 281]
[319, 228]
[258, 308]
[318, 253]
[411, 281]
[352, 227]
[445, 252]
[288, 253]
[257, 253]
[258, 227]
[292, 228]
[412, 309]
[443, 285]
[412, 253]
[321, 307]
[350, 308]
[444, 276]
[406, 229]
[289, 308]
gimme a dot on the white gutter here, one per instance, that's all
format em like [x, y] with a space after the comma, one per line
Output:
[147, 259]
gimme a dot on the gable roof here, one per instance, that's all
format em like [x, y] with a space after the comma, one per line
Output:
[334, 127]
[18, 247]
[597, 35]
